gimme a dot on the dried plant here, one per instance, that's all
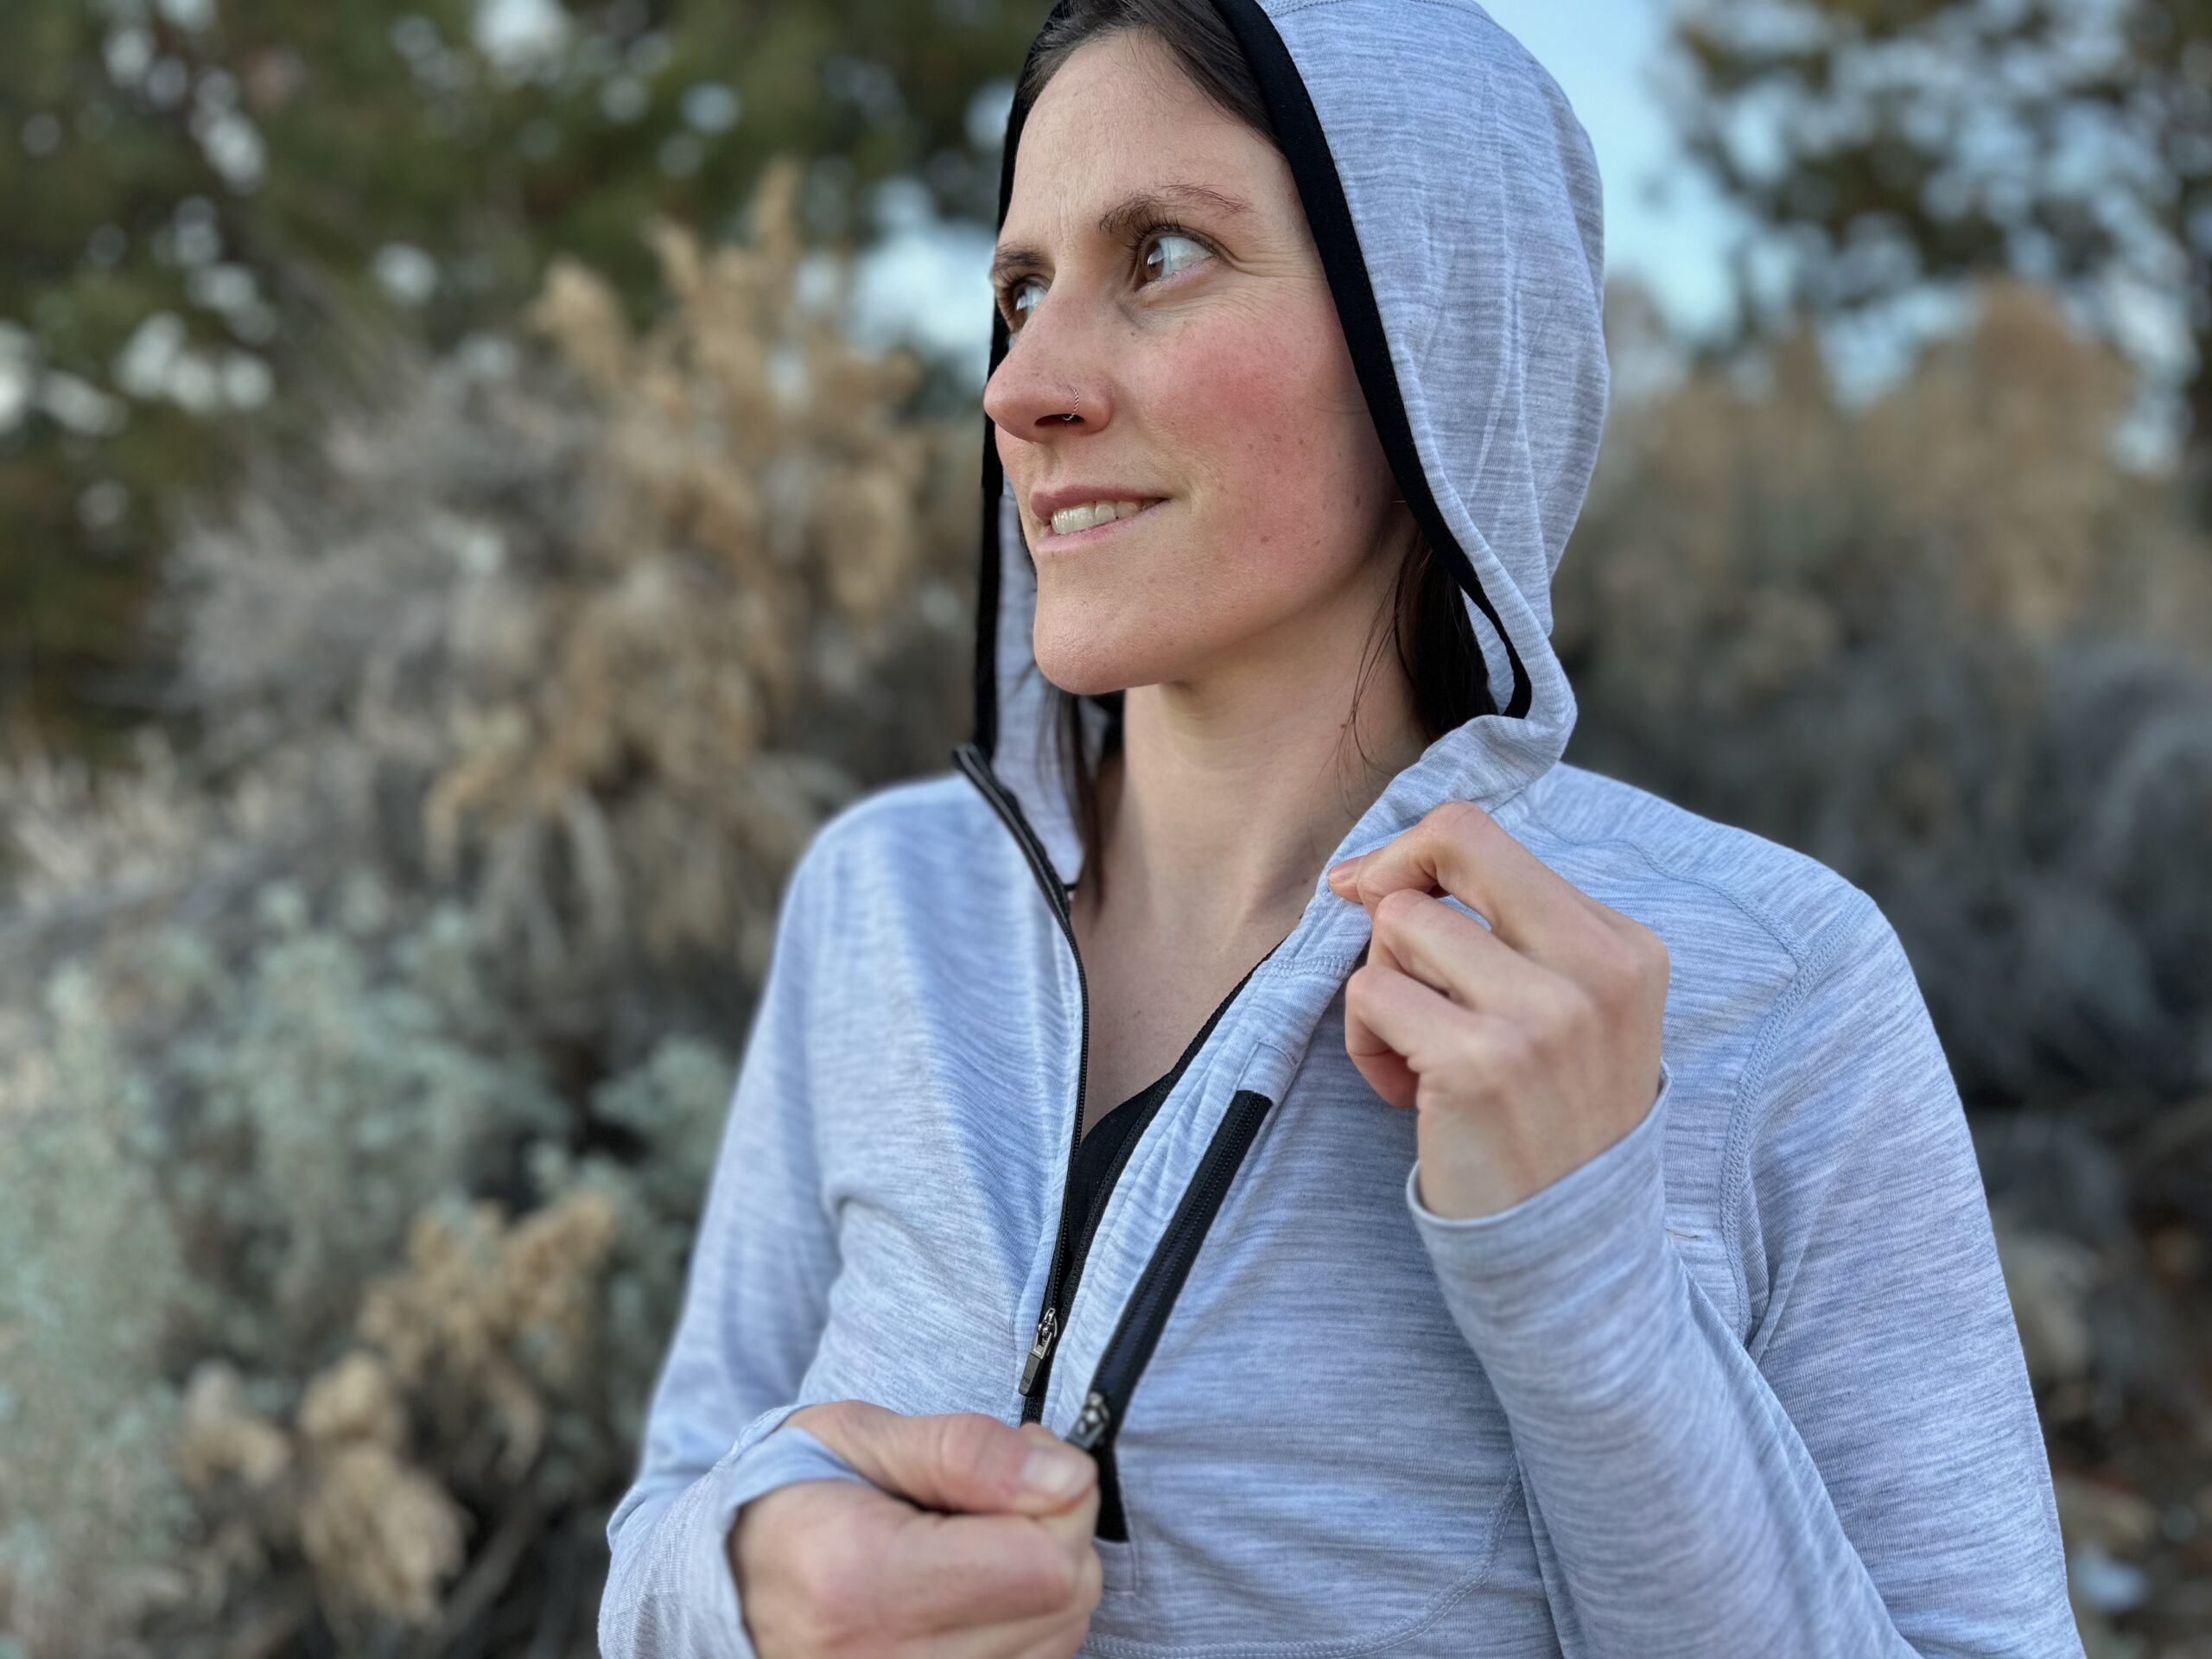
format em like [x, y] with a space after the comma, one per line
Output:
[397, 1009]
[1947, 646]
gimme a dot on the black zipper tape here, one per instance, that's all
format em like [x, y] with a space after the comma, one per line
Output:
[1036, 1374]
[1156, 1097]
[1137, 1331]
[1036, 1367]
[1113, 1526]
[1145, 1315]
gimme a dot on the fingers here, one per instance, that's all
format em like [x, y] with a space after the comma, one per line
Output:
[1056, 1635]
[1029, 1570]
[1450, 951]
[951, 1573]
[1458, 848]
[1077, 1521]
[968, 1551]
[961, 1462]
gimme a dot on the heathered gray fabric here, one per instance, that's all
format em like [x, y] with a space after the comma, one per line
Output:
[1747, 1384]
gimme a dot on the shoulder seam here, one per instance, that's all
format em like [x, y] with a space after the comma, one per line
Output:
[1824, 951]
[1808, 959]
[1781, 936]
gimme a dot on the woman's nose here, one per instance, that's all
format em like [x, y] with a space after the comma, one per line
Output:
[1032, 398]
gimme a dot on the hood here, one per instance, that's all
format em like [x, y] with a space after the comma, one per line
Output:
[1456, 202]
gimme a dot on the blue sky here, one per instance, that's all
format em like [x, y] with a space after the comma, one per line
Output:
[1604, 53]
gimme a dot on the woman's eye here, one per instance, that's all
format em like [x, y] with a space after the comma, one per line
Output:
[1162, 258]
[1163, 240]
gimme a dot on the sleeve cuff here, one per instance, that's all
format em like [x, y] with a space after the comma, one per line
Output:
[1567, 1264]
[769, 1455]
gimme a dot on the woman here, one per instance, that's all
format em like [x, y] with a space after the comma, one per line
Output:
[1608, 1275]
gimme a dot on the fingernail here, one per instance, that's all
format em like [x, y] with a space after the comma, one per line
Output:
[1344, 868]
[1055, 1471]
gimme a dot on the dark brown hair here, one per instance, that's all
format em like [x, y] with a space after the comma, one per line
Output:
[1429, 629]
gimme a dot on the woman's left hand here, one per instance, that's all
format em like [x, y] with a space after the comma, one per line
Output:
[1528, 1047]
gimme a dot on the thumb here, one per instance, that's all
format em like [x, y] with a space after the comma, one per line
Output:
[965, 1462]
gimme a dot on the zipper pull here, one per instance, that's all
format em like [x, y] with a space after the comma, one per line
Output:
[1039, 1349]
[1090, 1422]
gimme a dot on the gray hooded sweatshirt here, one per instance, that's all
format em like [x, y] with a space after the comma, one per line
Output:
[1746, 1383]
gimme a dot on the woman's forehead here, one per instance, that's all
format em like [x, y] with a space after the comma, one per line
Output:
[1108, 177]
[1123, 103]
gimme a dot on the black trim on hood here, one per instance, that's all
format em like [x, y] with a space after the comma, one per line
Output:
[985, 732]
[1313, 166]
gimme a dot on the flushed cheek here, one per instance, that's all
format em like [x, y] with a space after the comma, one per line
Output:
[1277, 455]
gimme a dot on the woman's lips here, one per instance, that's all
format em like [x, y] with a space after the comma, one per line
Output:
[1048, 543]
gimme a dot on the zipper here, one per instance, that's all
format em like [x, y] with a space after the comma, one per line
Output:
[1145, 1114]
[1145, 1315]
[1037, 1365]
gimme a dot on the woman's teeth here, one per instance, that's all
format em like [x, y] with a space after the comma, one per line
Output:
[1068, 520]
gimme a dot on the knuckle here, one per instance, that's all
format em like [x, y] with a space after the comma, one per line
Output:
[1047, 1577]
[1452, 815]
[1479, 1055]
[1090, 1581]
[828, 1420]
[1512, 1054]
[1396, 906]
[965, 1440]
[1578, 1011]
[827, 1594]
[1636, 965]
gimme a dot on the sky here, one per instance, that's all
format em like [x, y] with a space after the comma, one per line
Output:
[1662, 221]
[926, 283]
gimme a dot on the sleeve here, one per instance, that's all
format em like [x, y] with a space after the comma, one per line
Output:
[754, 1304]
[1865, 1474]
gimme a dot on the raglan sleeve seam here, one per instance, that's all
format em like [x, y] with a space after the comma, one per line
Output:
[1748, 1118]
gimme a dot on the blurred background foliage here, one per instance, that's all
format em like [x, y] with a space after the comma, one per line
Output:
[215, 211]
[1897, 146]
[456, 551]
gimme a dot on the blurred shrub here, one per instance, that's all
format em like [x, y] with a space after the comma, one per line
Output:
[1946, 646]
[369, 1053]
[88, 1271]
[209, 200]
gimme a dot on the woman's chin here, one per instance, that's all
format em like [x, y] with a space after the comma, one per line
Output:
[1085, 669]
[1087, 681]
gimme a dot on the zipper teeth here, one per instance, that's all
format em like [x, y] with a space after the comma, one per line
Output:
[1138, 1330]
[970, 761]
[1128, 1148]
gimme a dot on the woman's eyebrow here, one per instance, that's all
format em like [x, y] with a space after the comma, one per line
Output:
[1130, 210]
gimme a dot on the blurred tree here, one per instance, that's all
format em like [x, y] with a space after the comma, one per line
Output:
[200, 191]
[1900, 142]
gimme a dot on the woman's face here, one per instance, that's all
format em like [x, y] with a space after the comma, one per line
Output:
[1192, 336]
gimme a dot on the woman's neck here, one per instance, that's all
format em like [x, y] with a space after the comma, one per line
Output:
[1215, 826]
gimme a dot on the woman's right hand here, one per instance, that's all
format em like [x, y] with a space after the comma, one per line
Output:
[947, 1554]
